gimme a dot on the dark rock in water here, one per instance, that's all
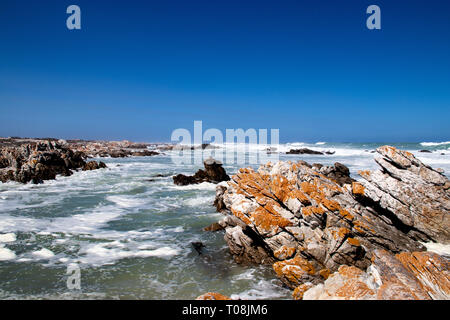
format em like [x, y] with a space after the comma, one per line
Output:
[339, 173]
[94, 165]
[425, 151]
[330, 152]
[214, 227]
[160, 175]
[304, 151]
[117, 153]
[144, 153]
[40, 160]
[214, 173]
[198, 246]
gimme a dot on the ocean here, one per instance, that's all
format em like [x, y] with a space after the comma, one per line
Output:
[129, 229]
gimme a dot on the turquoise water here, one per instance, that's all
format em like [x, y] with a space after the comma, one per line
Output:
[129, 230]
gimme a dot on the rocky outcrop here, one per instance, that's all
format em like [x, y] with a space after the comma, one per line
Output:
[213, 172]
[405, 276]
[113, 149]
[308, 221]
[41, 161]
[414, 194]
[94, 165]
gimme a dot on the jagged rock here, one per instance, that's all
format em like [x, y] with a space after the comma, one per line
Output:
[212, 296]
[405, 276]
[216, 226]
[413, 193]
[214, 173]
[38, 161]
[339, 173]
[304, 151]
[94, 165]
[329, 219]
[198, 246]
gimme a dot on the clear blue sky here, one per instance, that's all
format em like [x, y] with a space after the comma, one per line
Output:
[139, 69]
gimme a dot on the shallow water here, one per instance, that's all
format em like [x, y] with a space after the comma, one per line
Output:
[130, 231]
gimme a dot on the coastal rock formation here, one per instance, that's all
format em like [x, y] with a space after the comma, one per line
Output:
[213, 172]
[94, 165]
[40, 161]
[308, 221]
[113, 149]
[405, 276]
[411, 192]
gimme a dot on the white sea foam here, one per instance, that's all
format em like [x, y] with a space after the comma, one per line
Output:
[8, 237]
[200, 186]
[126, 201]
[433, 144]
[43, 254]
[262, 290]
[199, 201]
[108, 253]
[6, 254]
[320, 143]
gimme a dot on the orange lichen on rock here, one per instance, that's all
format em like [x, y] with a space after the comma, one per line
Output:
[357, 188]
[347, 215]
[331, 205]
[297, 194]
[325, 273]
[306, 211]
[307, 187]
[212, 296]
[300, 290]
[354, 289]
[354, 242]
[292, 271]
[268, 219]
[364, 173]
[241, 216]
[284, 253]
[350, 272]
[431, 270]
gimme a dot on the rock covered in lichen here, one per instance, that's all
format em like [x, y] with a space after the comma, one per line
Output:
[308, 221]
[405, 276]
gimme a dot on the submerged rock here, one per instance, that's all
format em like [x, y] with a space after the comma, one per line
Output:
[213, 172]
[198, 246]
[308, 221]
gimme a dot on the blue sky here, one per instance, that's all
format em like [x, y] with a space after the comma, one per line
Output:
[139, 69]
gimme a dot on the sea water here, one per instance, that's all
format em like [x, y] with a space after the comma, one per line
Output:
[129, 229]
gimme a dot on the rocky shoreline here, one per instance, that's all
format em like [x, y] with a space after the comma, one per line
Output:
[328, 236]
[36, 160]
